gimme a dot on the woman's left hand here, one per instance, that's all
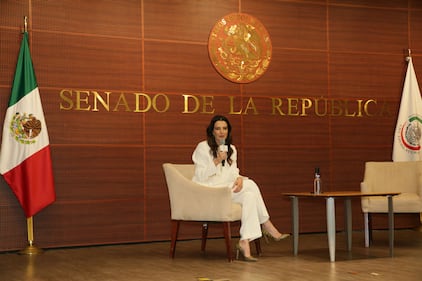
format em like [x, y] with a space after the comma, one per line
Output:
[238, 184]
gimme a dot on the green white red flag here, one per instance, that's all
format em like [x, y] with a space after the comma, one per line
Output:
[25, 160]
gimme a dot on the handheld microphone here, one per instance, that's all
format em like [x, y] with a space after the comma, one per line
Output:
[223, 147]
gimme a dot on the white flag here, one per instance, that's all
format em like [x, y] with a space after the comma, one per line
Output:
[407, 136]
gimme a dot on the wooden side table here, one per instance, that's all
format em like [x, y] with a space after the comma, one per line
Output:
[330, 211]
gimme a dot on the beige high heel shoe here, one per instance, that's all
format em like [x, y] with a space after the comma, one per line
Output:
[268, 236]
[240, 251]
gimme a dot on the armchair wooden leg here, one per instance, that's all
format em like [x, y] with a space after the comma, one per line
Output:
[227, 237]
[204, 236]
[175, 224]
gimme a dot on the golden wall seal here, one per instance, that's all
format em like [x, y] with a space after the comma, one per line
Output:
[240, 48]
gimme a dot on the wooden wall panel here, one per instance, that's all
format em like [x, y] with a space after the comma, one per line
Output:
[4, 100]
[10, 42]
[85, 173]
[12, 223]
[291, 25]
[80, 62]
[296, 162]
[108, 160]
[373, 3]
[103, 18]
[358, 29]
[284, 131]
[100, 196]
[188, 20]
[90, 223]
[365, 135]
[415, 41]
[10, 14]
[367, 75]
[415, 4]
[182, 68]
[174, 128]
[285, 75]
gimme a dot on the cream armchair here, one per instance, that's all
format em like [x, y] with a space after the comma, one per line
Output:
[403, 177]
[190, 201]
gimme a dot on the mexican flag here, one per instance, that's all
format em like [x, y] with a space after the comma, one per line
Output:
[407, 136]
[25, 160]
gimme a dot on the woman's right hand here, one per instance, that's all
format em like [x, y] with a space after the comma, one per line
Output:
[221, 155]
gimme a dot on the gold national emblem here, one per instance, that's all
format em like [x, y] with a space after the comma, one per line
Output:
[25, 128]
[240, 48]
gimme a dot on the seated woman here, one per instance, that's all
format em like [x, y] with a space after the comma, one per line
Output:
[215, 162]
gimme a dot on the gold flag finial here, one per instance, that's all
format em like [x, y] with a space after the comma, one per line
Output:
[409, 55]
[25, 24]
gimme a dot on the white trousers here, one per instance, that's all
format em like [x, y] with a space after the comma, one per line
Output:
[254, 212]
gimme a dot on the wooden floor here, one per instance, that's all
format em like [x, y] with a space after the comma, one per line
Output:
[149, 261]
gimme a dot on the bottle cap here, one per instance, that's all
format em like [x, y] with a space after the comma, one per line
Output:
[317, 170]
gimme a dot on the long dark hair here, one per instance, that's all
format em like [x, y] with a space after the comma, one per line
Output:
[211, 139]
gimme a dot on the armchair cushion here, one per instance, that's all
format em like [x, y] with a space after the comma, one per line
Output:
[404, 177]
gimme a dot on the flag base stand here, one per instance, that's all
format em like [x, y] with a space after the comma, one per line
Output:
[31, 250]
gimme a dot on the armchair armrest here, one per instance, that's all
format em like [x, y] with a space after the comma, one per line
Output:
[419, 191]
[365, 187]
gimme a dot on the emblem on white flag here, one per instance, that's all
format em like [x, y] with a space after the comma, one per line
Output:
[25, 128]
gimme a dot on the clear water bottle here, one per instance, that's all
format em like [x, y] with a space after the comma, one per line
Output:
[317, 182]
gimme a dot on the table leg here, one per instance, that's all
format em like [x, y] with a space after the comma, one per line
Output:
[348, 222]
[391, 224]
[295, 223]
[331, 228]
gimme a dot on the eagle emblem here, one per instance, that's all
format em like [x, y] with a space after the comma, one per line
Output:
[25, 128]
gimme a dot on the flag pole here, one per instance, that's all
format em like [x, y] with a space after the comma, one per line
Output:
[31, 249]
[419, 228]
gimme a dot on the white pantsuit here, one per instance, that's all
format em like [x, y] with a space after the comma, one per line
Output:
[254, 212]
